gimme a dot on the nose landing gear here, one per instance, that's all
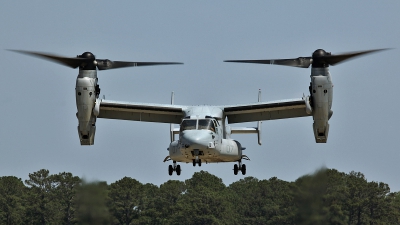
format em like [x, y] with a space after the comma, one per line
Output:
[196, 153]
[174, 167]
[197, 161]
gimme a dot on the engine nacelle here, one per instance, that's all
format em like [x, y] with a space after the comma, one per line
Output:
[321, 98]
[85, 102]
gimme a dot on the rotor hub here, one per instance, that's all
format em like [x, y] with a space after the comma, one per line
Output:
[90, 63]
[87, 55]
[319, 53]
[318, 58]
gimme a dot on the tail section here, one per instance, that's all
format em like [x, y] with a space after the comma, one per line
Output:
[259, 122]
[171, 132]
[250, 130]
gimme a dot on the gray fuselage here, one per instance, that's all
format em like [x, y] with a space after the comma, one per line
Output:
[203, 136]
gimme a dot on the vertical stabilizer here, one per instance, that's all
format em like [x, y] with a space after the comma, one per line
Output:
[259, 122]
[171, 131]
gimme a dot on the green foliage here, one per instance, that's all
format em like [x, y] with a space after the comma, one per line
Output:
[12, 192]
[65, 189]
[325, 197]
[41, 199]
[319, 198]
[264, 202]
[91, 202]
[204, 201]
[124, 203]
[50, 198]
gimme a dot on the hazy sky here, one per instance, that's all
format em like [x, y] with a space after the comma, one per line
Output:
[38, 122]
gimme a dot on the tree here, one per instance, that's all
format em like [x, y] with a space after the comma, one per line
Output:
[11, 200]
[357, 199]
[205, 202]
[91, 205]
[41, 199]
[124, 200]
[66, 186]
[394, 211]
[263, 202]
[148, 203]
[320, 198]
[169, 194]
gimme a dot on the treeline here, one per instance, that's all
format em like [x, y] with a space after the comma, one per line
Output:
[326, 197]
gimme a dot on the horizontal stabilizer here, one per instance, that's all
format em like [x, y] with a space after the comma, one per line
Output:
[244, 130]
[248, 130]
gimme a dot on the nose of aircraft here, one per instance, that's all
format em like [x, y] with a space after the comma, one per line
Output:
[196, 139]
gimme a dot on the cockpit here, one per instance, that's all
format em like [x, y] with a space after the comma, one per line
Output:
[199, 124]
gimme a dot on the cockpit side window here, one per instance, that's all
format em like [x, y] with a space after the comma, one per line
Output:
[215, 125]
[188, 125]
[212, 126]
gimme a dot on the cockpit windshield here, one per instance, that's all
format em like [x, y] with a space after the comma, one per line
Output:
[204, 124]
[188, 125]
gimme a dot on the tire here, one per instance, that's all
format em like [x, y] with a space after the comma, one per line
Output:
[235, 169]
[194, 162]
[244, 169]
[170, 170]
[178, 170]
[199, 163]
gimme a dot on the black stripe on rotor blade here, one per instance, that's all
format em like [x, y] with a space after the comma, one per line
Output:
[105, 64]
[302, 62]
[336, 59]
[70, 62]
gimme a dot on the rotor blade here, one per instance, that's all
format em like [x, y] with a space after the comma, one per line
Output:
[302, 62]
[336, 59]
[70, 62]
[105, 64]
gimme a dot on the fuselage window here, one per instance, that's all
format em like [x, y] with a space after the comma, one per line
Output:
[188, 125]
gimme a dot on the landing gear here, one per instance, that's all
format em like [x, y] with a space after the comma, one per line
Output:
[235, 169]
[196, 161]
[241, 167]
[170, 170]
[176, 168]
[244, 169]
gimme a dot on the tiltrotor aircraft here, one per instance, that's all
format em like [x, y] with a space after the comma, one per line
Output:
[204, 133]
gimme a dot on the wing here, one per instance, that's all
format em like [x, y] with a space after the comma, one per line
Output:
[274, 110]
[148, 112]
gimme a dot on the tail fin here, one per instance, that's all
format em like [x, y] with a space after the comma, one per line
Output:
[172, 125]
[259, 122]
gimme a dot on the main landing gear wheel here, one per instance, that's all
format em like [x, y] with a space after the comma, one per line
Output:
[235, 169]
[244, 169]
[176, 168]
[241, 167]
[170, 170]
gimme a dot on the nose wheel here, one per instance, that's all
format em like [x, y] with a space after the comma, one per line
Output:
[174, 167]
[239, 166]
[196, 161]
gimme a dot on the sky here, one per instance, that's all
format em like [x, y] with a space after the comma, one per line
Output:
[39, 126]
